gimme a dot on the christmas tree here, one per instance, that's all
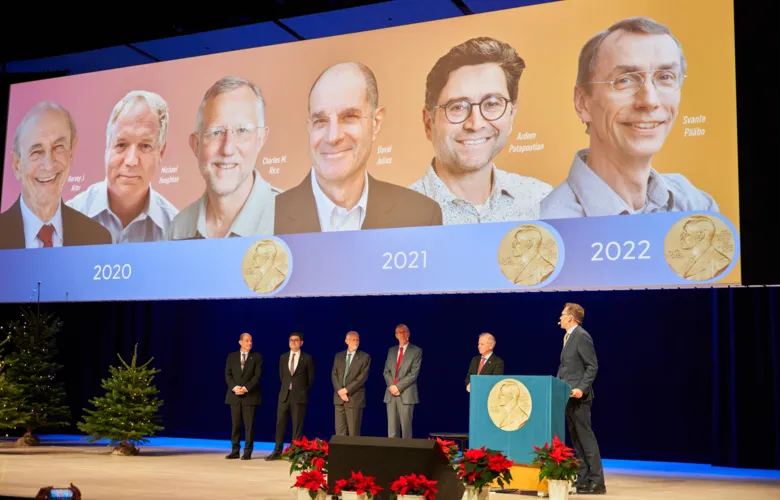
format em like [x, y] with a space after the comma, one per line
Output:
[10, 397]
[127, 414]
[30, 373]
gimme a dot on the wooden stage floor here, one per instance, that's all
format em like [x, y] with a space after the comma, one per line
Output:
[173, 472]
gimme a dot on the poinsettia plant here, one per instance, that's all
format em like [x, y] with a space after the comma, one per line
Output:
[358, 483]
[413, 484]
[478, 467]
[312, 480]
[449, 448]
[305, 455]
[556, 461]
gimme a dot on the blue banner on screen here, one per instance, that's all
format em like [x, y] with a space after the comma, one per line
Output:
[659, 250]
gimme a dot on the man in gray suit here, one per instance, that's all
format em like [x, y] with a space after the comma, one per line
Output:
[578, 368]
[402, 368]
[350, 371]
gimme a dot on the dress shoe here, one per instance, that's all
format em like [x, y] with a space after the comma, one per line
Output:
[232, 455]
[276, 455]
[592, 489]
[246, 456]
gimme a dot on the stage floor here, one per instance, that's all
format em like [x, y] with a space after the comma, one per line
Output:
[196, 469]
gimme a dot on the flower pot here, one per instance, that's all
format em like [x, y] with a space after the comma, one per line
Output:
[473, 494]
[411, 497]
[558, 489]
[353, 495]
[303, 494]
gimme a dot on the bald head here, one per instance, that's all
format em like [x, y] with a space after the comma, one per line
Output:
[349, 74]
[36, 113]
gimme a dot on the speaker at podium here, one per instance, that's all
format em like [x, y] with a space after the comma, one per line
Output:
[514, 413]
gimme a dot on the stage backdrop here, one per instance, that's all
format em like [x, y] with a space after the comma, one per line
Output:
[415, 239]
[698, 383]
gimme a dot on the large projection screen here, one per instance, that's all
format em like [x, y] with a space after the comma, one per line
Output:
[578, 145]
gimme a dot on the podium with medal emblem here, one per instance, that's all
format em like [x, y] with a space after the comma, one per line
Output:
[514, 413]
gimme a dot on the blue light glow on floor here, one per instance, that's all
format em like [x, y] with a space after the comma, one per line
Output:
[617, 467]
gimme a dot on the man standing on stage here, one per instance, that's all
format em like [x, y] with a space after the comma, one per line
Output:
[402, 368]
[350, 371]
[487, 363]
[578, 368]
[242, 374]
[296, 371]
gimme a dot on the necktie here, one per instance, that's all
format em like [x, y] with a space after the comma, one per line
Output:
[45, 233]
[481, 364]
[398, 364]
[346, 368]
[243, 360]
[292, 367]
[566, 339]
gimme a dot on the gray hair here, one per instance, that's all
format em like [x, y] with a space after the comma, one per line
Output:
[229, 84]
[489, 337]
[372, 88]
[32, 113]
[155, 102]
[589, 52]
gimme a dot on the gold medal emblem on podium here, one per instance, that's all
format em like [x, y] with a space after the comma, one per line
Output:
[509, 404]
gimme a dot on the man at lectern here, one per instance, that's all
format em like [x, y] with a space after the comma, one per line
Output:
[402, 368]
[578, 368]
[487, 363]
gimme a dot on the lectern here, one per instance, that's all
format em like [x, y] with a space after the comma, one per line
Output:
[514, 413]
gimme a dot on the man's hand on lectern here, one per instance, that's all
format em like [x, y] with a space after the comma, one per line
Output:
[468, 387]
[576, 393]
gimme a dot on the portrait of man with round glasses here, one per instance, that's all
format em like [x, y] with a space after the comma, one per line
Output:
[470, 104]
[628, 91]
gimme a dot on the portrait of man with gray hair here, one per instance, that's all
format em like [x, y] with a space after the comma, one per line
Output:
[230, 132]
[338, 194]
[628, 92]
[125, 202]
[43, 150]
[487, 362]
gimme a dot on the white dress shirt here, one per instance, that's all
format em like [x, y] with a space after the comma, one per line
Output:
[32, 225]
[335, 218]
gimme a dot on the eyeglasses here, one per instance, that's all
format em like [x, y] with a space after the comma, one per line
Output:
[629, 83]
[241, 133]
[491, 107]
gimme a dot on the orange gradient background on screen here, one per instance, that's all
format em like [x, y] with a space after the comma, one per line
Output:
[548, 37]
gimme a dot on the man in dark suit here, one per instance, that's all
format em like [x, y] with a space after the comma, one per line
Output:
[243, 370]
[296, 371]
[578, 368]
[402, 368]
[338, 194]
[487, 363]
[43, 149]
[350, 371]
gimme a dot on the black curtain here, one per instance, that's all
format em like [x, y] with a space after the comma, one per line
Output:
[685, 375]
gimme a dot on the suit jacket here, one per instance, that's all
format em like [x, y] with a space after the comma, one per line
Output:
[356, 378]
[579, 364]
[78, 229]
[407, 373]
[249, 377]
[493, 366]
[302, 379]
[388, 206]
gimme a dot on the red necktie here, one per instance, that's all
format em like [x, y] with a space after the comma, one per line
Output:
[481, 364]
[398, 365]
[47, 230]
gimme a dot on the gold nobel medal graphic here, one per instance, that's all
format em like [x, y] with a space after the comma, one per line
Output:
[528, 254]
[509, 404]
[265, 266]
[699, 247]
